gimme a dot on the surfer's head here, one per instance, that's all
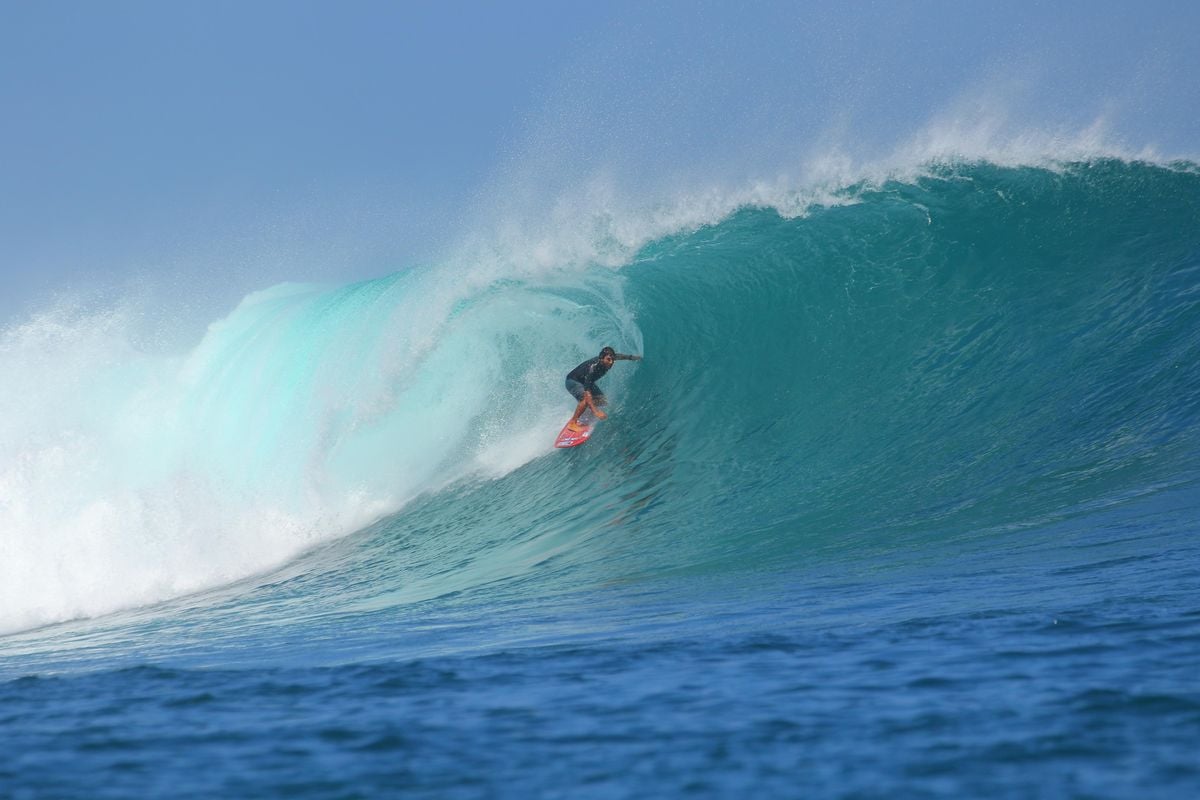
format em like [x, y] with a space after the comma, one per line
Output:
[608, 354]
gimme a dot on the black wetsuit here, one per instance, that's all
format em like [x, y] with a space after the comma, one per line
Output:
[583, 378]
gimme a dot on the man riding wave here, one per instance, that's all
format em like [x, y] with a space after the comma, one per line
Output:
[581, 382]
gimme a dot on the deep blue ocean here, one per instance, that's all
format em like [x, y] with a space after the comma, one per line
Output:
[903, 502]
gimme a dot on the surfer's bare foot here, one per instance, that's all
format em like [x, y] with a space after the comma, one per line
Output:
[600, 414]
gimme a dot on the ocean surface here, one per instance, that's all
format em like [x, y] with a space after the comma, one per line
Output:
[903, 502]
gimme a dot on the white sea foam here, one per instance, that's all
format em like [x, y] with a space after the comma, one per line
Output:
[127, 478]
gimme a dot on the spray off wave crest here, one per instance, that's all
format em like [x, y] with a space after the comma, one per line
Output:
[609, 217]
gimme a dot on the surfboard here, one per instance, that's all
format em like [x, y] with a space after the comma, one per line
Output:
[574, 435]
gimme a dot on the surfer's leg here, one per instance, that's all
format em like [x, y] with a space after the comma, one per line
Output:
[595, 399]
[579, 409]
[579, 393]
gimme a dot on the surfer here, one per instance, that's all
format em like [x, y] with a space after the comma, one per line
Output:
[581, 382]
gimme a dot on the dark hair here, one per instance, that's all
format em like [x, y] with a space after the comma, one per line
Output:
[607, 351]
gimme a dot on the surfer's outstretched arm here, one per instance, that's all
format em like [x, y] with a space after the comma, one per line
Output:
[624, 357]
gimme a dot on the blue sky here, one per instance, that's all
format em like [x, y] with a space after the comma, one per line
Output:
[207, 149]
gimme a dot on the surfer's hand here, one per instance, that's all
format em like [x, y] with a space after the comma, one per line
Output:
[600, 414]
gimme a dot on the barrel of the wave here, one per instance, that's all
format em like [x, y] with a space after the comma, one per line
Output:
[581, 384]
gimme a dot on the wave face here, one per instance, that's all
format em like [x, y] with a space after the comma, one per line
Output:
[915, 363]
[981, 349]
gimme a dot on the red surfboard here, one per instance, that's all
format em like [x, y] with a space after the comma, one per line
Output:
[577, 434]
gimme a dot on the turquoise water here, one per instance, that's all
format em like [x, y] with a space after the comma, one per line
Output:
[901, 502]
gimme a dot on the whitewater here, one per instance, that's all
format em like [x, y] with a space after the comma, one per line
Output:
[901, 501]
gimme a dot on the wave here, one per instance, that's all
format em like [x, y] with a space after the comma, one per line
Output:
[907, 359]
